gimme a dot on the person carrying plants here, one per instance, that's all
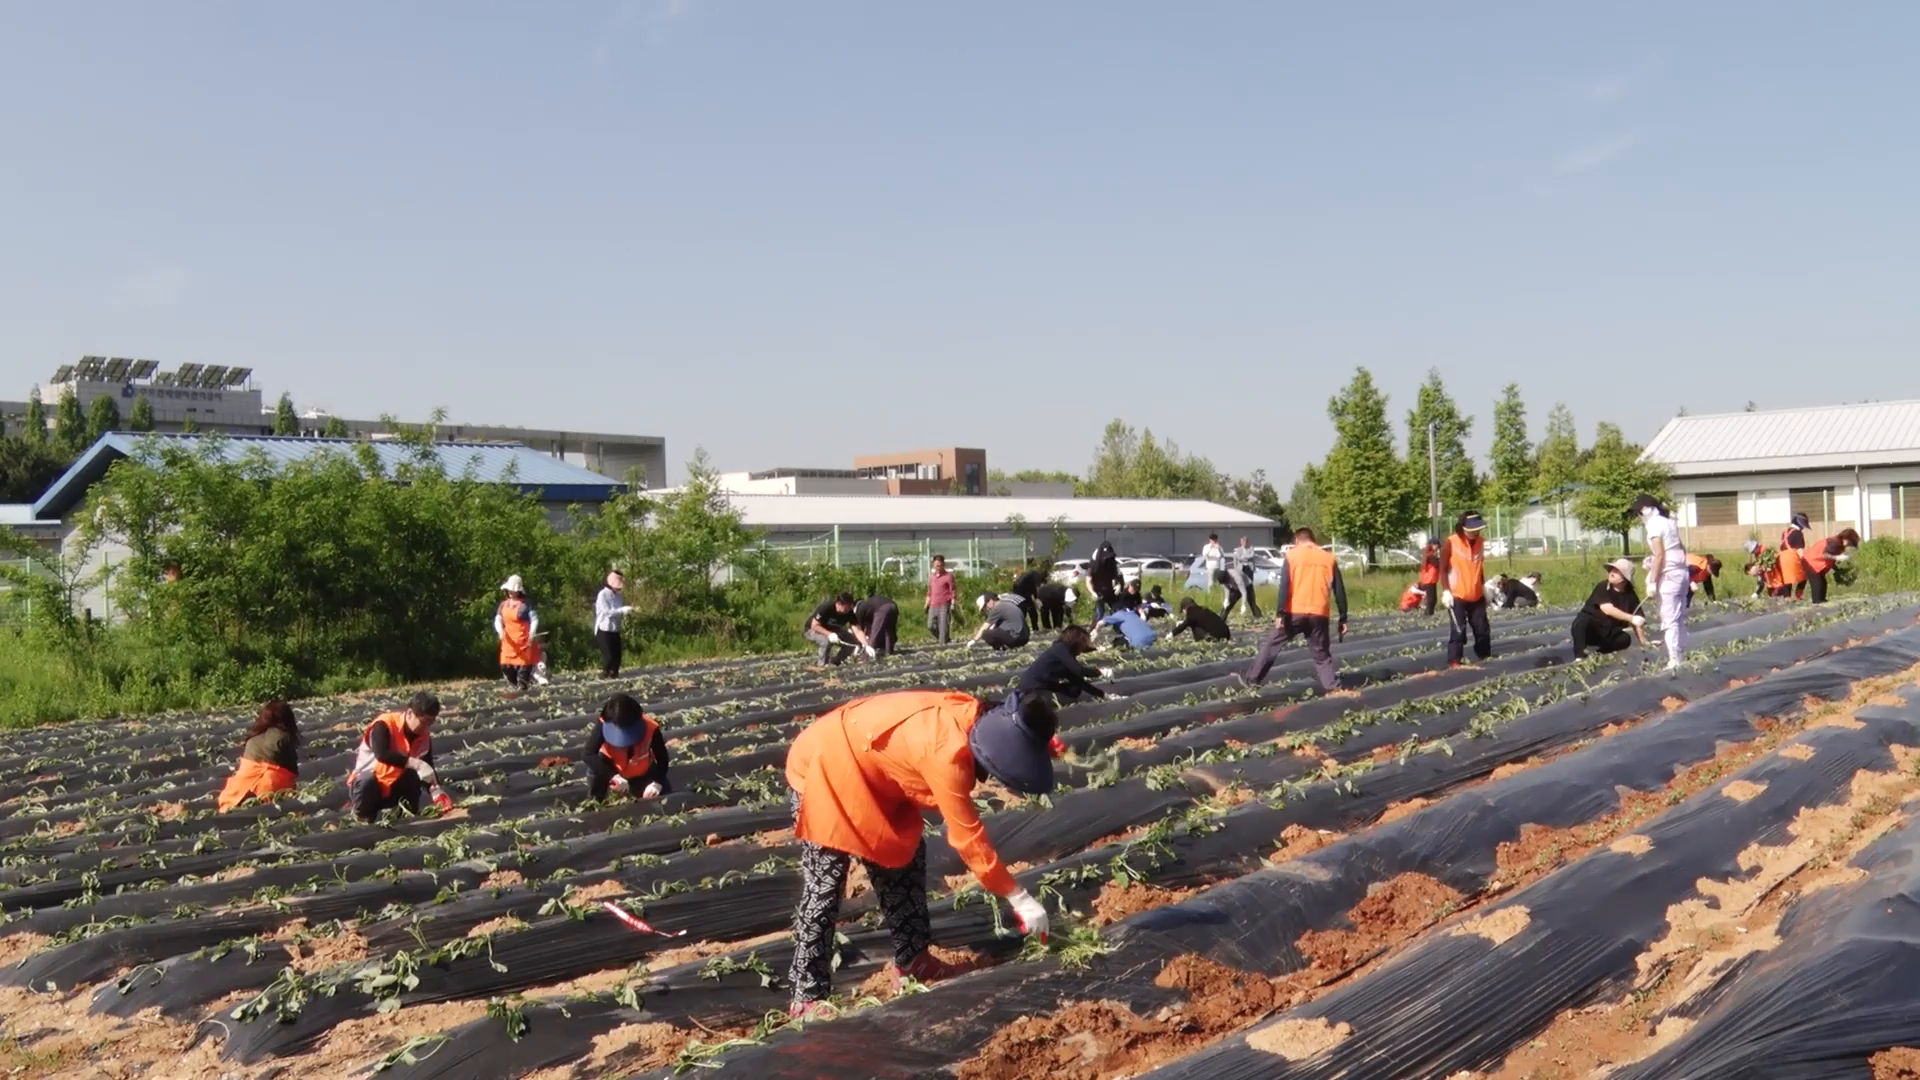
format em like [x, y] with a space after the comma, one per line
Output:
[1463, 573]
[610, 611]
[1059, 672]
[1205, 624]
[394, 765]
[1610, 612]
[1764, 568]
[626, 752]
[831, 625]
[863, 774]
[269, 757]
[1311, 590]
[517, 626]
[1005, 626]
[941, 596]
[881, 617]
[1701, 569]
[1829, 555]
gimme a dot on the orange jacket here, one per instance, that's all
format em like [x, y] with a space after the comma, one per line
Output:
[1792, 570]
[636, 760]
[517, 647]
[1466, 568]
[1310, 570]
[1816, 559]
[1430, 569]
[412, 746]
[865, 770]
[254, 779]
[1769, 579]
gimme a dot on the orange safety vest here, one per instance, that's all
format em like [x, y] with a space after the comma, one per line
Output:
[1699, 570]
[633, 761]
[1793, 569]
[1430, 569]
[1310, 570]
[1769, 579]
[1466, 568]
[412, 746]
[865, 771]
[254, 779]
[1816, 558]
[517, 648]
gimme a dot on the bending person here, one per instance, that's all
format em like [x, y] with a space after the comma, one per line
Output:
[881, 618]
[1822, 557]
[1669, 578]
[1056, 601]
[1205, 624]
[1701, 570]
[862, 776]
[1611, 611]
[1129, 628]
[269, 758]
[1059, 672]
[831, 625]
[394, 765]
[1310, 590]
[626, 752]
[1791, 560]
[1463, 572]
[1006, 622]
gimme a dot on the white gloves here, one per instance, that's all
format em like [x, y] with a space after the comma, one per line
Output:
[1639, 620]
[652, 791]
[423, 770]
[1106, 673]
[625, 609]
[1446, 598]
[618, 783]
[872, 654]
[1845, 556]
[972, 642]
[838, 640]
[1031, 914]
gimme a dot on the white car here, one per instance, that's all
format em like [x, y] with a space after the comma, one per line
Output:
[1133, 567]
[1346, 557]
[1071, 571]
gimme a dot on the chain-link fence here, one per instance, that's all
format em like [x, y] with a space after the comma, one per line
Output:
[906, 559]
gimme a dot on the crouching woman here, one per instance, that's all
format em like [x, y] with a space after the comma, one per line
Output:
[861, 775]
[269, 757]
[626, 752]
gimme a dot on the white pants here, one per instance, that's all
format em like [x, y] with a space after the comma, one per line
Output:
[1674, 586]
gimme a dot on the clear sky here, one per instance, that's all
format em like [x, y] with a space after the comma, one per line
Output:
[793, 231]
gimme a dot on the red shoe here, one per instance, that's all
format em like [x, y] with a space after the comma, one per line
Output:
[928, 968]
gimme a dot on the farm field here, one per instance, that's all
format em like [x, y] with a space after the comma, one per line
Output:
[1528, 867]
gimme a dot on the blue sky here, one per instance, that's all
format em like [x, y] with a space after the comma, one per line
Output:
[794, 231]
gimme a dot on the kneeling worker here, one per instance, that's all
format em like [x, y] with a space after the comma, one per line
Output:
[881, 616]
[1205, 624]
[1612, 610]
[394, 765]
[626, 752]
[1309, 577]
[1129, 628]
[863, 774]
[830, 625]
[269, 757]
[1006, 622]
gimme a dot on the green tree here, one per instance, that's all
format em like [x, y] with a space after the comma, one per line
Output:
[103, 416]
[1364, 494]
[142, 418]
[336, 428]
[1132, 464]
[189, 426]
[69, 426]
[1303, 503]
[1459, 484]
[1611, 479]
[1511, 480]
[26, 468]
[1557, 463]
[35, 430]
[1256, 495]
[285, 420]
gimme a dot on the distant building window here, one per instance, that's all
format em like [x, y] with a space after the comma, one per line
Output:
[973, 477]
[1816, 503]
[1716, 508]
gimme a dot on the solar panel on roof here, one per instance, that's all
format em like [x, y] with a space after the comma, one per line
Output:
[239, 376]
[143, 369]
[88, 368]
[188, 374]
[117, 368]
[63, 373]
[165, 378]
[213, 377]
[97, 359]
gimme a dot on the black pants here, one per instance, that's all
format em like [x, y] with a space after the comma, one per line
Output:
[1319, 633]
[1053, 616]
[611, 646]
[407, 791]
[517, 675]
[1599, 633]
[1006, 639]
[1817, 585]
[1104, 604]
[883, 631]
[1246, 590]
[1464, 616]
[600, 773]
[1433, 596]
[901, 892]
[1233, 597]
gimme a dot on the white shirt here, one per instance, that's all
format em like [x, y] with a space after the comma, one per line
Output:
[1668, 534]
[609, 611]
[1211, 555]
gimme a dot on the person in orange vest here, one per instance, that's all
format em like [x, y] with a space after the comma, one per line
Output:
[1463, 573]
[517, 626]
[862, 775]
[1310, 590]
[394, 764]
[1702, 569]
[1821, 557]
[269, 757]
[1792, 560]
[1767, 579]
[1429, 575]
[626, 752]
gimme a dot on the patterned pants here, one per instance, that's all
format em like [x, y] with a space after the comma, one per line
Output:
[902, 892]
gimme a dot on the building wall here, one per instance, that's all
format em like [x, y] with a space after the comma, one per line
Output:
[1882, 501]
[958, 465]
[1145, 540]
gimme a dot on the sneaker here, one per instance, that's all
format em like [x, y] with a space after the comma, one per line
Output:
[928, 968]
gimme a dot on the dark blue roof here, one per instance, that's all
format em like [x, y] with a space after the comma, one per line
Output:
[533, 472]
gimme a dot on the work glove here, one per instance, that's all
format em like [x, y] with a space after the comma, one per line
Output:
[423, 770]
[1031, 914]
[652, 791]
[872, 653]
[1446, 598]
[1639, 620]
[626, 609]
[619, 784]
[1845, 556]
[972, 642]
[1106, 673]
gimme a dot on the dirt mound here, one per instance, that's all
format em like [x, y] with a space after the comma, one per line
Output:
[1393, 911]
[1105, 1040]
[1899, 1063]
[1117, 902]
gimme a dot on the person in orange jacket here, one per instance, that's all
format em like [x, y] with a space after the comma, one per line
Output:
[1792, 560]
[1702, 569]
[394, 765]
[1429, 584]
[518, 627]
[1767, 579]
[1821, 557]
[269, 757]
[1463, 576]
[626, 752]
[862, 774]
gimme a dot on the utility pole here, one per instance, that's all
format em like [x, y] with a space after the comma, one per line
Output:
[1433, 486]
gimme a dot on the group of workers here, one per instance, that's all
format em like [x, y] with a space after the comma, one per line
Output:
[1798, 568]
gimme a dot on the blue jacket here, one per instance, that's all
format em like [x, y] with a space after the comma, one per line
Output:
[1132, 627]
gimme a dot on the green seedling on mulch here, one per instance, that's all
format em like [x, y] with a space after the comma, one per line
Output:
[1072, 944]
[413, 1051]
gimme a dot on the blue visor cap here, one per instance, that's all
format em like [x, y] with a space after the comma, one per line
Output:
[623, 736]
[1010, 753]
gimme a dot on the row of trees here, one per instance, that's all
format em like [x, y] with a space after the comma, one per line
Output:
[1132, 463]
[1369, 494]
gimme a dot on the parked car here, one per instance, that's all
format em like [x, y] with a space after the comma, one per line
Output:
[1071, 571]
[1133, 567]
[910, 568]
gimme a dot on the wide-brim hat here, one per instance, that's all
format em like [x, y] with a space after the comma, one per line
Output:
[1624, 566]
[1003, 745]
[512, 584]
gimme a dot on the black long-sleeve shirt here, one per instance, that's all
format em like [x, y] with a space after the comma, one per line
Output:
[1058, 670]
[380, 741]
[1206, 624]
[656, 774]
[1027, 584]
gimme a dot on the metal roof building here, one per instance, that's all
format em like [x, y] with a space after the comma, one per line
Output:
[1742, 475]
